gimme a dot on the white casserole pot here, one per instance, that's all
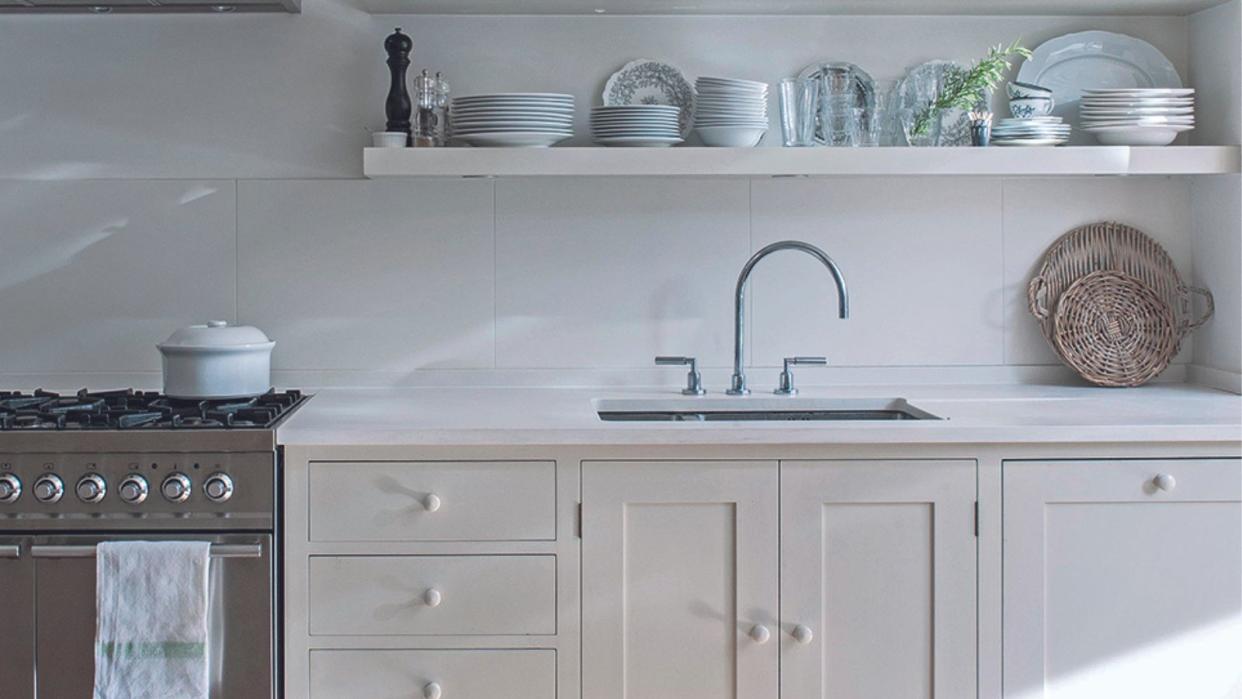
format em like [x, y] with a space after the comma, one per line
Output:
[217, 360]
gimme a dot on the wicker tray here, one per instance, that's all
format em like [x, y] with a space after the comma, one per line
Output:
[1114, 330]
[1119, 248]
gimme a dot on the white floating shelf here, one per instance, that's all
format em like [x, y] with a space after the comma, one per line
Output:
[812, 162]
[789, 7]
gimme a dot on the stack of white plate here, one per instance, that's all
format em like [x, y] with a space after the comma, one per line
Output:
[636, 125]
[1137, 116]
[729, 112]
[527, 119]
[1032, 131]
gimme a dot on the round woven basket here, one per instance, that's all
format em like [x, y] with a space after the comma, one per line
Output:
[1114, 330]
[1120, 248]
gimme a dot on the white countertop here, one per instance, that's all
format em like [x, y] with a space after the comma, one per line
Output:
[1008, 414]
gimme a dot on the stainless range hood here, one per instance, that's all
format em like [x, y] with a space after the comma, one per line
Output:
[147, 6]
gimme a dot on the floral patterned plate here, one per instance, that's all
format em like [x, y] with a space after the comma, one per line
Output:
[651, 82]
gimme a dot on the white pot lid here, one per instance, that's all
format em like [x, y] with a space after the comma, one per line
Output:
[216, 335]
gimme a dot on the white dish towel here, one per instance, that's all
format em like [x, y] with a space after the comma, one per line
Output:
[151, 632]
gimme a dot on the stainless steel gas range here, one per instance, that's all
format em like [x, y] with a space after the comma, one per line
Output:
[80, 469]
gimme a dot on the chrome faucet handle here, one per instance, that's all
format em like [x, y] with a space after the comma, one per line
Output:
[787, 387]
[694, 380]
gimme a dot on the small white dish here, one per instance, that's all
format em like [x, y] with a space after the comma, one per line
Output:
[389, 139]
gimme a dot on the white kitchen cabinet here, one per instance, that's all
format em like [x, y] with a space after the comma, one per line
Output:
[1123, 579]
[679, 580]
[878, 564]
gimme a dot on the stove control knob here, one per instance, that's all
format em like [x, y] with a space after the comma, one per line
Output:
[218, 487]
[49, 488]
[91, 488]
[176, 487]
[10, 488]
[134, 489]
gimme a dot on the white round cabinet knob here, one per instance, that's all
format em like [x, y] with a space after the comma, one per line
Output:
[802, 634]
[432, 691]
[760, 634]
[1164, 482]
[432, 502]
[432, 597]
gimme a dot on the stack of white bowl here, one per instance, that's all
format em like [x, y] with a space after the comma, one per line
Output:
[512, 119]
[1137, 116]
[729, 112]
[649, 125]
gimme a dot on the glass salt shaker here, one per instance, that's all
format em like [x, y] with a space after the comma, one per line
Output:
[425, 126]
[442, 110]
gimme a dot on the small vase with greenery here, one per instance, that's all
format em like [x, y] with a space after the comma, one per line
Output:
[964, 89]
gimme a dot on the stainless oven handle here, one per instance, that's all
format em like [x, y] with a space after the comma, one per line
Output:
[11, 552]
[217, 551]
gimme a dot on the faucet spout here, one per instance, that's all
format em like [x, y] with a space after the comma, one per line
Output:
[738, 386]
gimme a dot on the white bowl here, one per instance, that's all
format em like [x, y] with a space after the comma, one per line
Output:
[1135, 136]
[730, 136]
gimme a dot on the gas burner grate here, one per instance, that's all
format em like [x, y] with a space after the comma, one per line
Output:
[129, 409]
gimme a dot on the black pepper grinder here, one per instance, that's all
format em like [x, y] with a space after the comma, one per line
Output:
[398, 108]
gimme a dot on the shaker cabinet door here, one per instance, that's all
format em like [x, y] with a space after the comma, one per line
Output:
[1123, 579]
[878, 562]
[679, 580]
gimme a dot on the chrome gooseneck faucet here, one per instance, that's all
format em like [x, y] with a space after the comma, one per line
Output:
[738, 387]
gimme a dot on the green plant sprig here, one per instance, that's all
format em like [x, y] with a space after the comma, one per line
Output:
[963, 89]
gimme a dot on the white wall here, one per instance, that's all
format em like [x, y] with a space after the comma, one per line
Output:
[1216, 202]
[238, 138]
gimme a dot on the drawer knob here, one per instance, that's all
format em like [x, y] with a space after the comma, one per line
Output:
[432, 597]
[432, 502]
[432, 690]
[1164, 482]
[802, 634]
[760, 634]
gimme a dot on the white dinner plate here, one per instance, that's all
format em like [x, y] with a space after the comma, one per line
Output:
[1173, 111]
[511, 126]
[560, 96]
[1145, 92]
[1107, 125]
[512, 110]
[512, 139]
[1028, 142]
[640, 141]
[1093, 60]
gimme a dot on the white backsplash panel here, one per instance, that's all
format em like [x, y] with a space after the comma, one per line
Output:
[921, 258]
[94, 273]
[357, 275]
[609, 273]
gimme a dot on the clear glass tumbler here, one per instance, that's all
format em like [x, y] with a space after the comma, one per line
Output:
[838, 119]
[798, 99]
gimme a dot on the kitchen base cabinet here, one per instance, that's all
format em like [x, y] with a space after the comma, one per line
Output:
[679, 580]
[433, 674]
[878, 579]
[1123, 579]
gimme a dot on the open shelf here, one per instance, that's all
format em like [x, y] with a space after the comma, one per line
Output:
[790, 7]
[813, 162]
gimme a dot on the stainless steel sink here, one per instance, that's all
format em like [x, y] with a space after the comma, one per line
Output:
[758, 410]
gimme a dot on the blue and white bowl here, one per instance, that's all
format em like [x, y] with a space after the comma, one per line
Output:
[1019, 90]
[1029, 107]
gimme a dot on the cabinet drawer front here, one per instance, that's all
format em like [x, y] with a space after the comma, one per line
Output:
[432, 595]
[433, 501]
[459, 674]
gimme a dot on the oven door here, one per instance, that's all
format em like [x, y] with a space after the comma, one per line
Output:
[241, 623]
[17, 620]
